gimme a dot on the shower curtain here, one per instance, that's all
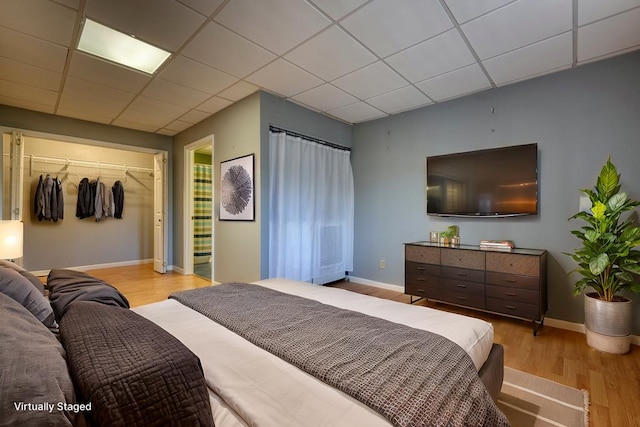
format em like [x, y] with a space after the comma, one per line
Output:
[202, 213]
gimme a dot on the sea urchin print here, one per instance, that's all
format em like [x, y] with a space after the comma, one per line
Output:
[235, 190]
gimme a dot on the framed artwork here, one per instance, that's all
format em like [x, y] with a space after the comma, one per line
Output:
[237, 199]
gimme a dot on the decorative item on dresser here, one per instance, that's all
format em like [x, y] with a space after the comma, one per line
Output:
[507, 283]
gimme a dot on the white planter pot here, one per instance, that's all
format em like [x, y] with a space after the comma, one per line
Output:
[608, 324]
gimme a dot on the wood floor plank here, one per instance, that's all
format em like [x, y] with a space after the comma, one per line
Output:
[613, 381]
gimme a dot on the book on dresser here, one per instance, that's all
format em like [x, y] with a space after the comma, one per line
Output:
[510, 283]
[496, 245]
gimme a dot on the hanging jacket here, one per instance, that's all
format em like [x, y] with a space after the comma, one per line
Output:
[39, 200]
[99, 202]
[84, 206]
[58, 212]
[118, 199]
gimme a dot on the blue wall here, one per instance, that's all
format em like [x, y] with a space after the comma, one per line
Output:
[578, 117]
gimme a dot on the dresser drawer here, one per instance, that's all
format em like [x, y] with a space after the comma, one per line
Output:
[513, 294]
[421, 291]
[462, 298]
[513, 281]
[463, 274]
[463, 258]
[527, 265]
[422, 280]
[421, 269]
[514, 308]
[422, 254]
[471, 288]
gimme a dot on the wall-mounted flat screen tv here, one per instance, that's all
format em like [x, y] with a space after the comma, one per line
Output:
[497, 182]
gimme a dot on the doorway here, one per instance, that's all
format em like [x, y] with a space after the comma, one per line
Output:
[199, 224]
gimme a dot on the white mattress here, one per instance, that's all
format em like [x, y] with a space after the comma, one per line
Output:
[250, 386]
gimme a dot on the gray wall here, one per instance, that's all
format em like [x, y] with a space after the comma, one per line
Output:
[236, 254]
[578, 117]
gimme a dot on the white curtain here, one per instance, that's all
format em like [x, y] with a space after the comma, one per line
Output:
[311, 209]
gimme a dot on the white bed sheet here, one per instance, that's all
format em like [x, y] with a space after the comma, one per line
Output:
[250, 386]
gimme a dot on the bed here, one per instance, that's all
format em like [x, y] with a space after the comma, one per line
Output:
[225, 378]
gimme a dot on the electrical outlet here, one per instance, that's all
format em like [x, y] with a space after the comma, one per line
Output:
[383, 264]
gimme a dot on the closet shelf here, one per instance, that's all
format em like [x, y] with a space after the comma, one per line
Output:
[85, 163]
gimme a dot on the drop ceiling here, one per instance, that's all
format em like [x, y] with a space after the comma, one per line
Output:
[354, 60]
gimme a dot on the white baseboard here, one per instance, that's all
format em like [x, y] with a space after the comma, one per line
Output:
[97, 266]
[549, 321]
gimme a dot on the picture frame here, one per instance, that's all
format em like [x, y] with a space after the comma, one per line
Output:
[237, 189]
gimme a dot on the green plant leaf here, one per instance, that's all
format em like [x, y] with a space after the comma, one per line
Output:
[608, 180]
[617, 201]
[598, 264]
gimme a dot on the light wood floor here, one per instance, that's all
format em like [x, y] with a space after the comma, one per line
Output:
[562, 356]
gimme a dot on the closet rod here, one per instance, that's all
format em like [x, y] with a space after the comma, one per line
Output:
[99, 165]
[308, 138]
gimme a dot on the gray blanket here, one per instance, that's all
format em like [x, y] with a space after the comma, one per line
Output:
[411, 377]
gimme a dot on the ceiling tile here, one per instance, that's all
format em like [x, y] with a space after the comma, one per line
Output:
[27, 105]
[205, 7]
[397, 27]
[284, 78]
[158, 108]
[538, 58]
[214, 104]
[331, 54]
[74, 4]
[42, 19]
[609, 36]
[356, 113]
[105, 94]
[456, 83]
[325, 97]
[238, 91]
[29, 75]
[194, 116]
[518, 24]
[338, 8]
[178, 125]
[465, 10]
[435, 56]
[370, 81]
[84, 115]
[31, 50]
[162, 23]
[220, 48]
[94, 107]
[147, 121]
[187, 72]
[28, 93]
[277, 25]
[593, 10]
[402, 99]
[87, 67]
[175, 94]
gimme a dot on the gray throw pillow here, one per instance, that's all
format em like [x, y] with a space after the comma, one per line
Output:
[33, 279]
[22, 290]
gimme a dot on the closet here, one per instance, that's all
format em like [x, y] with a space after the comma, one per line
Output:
[72, 241]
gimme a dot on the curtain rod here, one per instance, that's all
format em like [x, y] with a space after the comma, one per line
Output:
[308, 138]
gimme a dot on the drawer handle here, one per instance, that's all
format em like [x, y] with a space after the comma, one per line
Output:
[510, 280]
[511, 294]
[421, 291]
[421, 279]
[421, 269]
[510, 307]
[462, 274]
[460, 285]
[462, 298]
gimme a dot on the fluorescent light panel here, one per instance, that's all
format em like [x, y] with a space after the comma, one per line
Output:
[121, 48]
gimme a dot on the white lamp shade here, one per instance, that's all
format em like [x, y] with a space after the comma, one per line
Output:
[11, 239]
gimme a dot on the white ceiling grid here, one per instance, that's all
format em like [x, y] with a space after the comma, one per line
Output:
[354, 60]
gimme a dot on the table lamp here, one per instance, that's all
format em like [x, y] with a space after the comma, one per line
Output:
[11, 239]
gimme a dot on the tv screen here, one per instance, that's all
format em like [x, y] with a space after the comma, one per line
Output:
[494, 182]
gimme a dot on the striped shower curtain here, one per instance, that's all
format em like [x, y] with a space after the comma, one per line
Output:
[202, 213]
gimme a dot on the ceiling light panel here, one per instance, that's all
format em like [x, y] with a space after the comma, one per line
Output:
[120, 48]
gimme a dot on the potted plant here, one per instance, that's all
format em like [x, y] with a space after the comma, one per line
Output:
[607, 262]
[447, 235]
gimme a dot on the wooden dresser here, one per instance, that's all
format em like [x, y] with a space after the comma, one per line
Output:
[508, 283]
